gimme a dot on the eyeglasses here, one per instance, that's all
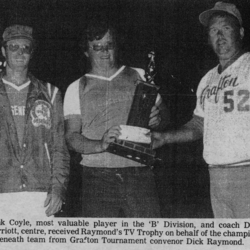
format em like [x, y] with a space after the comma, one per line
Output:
[27, 49]
[99, 47]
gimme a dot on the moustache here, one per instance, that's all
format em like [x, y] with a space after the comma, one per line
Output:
[219, 42]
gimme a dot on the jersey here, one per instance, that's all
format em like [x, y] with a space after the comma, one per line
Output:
[223, 100]
[103, 103]
[17, 97]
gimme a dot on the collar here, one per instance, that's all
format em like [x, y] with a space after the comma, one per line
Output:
[107, 78]
[230, 61]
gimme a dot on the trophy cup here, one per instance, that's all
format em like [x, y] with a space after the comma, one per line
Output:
[135, 142]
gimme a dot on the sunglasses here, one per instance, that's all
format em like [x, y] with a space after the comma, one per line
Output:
[27, 49]
[99, 47]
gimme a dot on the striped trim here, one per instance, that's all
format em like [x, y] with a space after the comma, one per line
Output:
[49, 88]
[47, 152]
[54, 95]
[72, 116]
[241, 164]
[107, 78]
[18, 88]
[50, 92]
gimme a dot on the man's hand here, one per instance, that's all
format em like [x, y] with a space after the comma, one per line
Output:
[110, 136]
[154, 118]
[54, 203]
[157, 139]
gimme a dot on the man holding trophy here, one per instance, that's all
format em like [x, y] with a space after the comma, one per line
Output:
[96, 111]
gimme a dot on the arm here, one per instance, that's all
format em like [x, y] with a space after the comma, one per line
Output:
[81, 144]
[59, 161]
[191, 131]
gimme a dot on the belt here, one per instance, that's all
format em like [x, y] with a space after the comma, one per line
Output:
[131, 170]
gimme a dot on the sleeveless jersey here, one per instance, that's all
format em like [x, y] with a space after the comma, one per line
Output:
[102, 103]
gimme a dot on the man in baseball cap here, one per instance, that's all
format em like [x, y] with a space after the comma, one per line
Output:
[34, 160]
[222, 114]
[17, 32]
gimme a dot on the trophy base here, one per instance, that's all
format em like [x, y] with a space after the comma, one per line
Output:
[135, 143]
[133, 151]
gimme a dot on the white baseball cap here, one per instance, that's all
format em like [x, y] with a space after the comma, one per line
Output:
[220, 6]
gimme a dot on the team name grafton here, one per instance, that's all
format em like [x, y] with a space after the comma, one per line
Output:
[214, 91]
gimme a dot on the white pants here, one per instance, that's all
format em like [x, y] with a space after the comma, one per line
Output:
[23, 205]
[229, 189]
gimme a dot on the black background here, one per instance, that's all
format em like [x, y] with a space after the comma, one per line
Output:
[172, 29]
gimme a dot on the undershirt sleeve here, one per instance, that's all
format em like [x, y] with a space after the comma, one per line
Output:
[71, 104]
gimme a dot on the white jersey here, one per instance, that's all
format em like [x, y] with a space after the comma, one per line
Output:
[103, 103]
[223, 100]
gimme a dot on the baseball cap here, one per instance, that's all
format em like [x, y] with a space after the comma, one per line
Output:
[16, 32]
[220, 6]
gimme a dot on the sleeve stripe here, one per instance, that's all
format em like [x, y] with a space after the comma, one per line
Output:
[73, 116]
[71, 104]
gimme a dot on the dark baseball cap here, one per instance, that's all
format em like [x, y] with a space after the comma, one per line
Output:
[220, 6]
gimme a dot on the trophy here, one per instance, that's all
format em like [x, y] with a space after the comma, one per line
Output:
[135, 141]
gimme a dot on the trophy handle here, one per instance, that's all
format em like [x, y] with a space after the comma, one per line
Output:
[150, 69]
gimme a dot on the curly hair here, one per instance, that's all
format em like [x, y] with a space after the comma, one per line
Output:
[96, 30]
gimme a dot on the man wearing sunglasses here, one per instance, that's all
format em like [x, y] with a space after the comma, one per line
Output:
[34, 160]
[94, 107]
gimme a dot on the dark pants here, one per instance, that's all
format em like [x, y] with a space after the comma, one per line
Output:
[120, 192]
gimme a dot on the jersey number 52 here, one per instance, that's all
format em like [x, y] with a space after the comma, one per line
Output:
[242, 96]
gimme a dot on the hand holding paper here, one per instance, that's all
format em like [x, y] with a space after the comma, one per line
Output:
[135, 134]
